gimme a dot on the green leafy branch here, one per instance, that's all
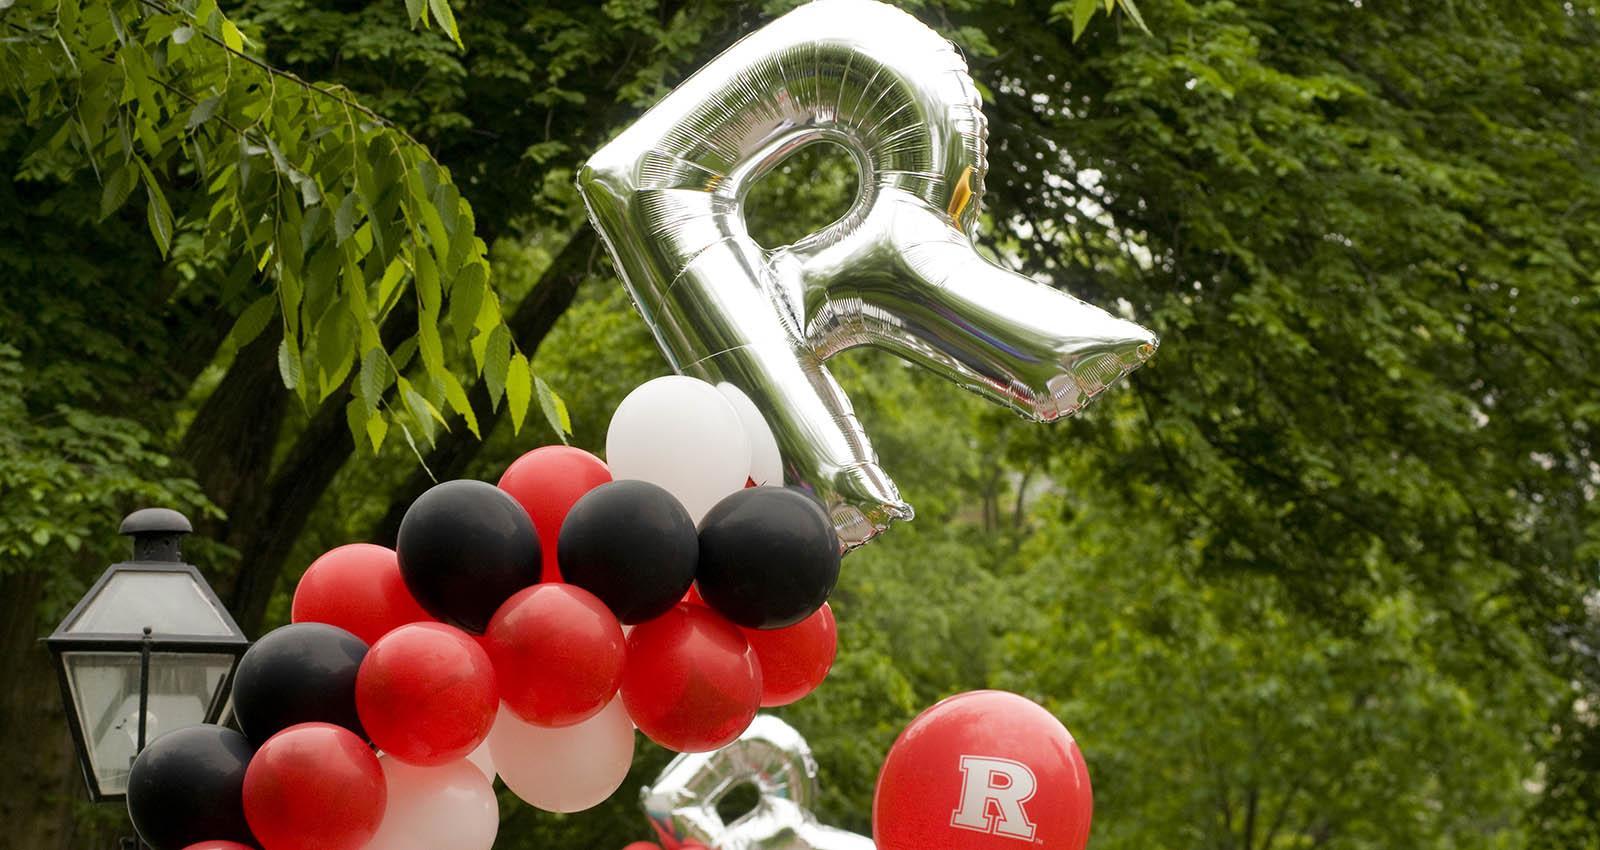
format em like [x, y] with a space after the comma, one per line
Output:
[1083, 11]
[349, 219]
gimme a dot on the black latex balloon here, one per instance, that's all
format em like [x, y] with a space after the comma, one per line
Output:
[187, 787]
[769, 557]
[465, 547]
[633, 545]
[299, 673]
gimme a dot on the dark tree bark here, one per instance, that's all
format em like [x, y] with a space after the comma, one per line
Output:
[30, 714]
[43, 804]
[272, 517]
[229, 444]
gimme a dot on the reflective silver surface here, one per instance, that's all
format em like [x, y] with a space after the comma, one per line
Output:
[898, 271]
[771, 755]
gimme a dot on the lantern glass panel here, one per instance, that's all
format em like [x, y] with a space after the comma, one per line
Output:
[172, 603]
[105, 690]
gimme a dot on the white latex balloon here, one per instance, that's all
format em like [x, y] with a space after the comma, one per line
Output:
[484, 760]
[681, 434]
[766, 464]
[568, 769]
[450, 807]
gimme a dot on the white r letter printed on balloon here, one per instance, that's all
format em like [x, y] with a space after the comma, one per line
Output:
[992, 793]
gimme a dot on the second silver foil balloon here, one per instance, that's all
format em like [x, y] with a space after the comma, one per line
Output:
[772, 756]
[898, 271]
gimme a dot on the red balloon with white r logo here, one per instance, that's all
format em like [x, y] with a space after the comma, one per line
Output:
[986, 770]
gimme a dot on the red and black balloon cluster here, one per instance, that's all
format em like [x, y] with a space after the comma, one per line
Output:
[530, 607]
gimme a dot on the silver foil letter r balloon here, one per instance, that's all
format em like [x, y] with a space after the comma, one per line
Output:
[898, 271]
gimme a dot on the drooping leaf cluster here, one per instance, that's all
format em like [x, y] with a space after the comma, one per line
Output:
[296, 185]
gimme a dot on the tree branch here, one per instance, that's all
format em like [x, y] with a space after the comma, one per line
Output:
[1251, 801]
[1282, 815]
[532, 321]
[274, 71]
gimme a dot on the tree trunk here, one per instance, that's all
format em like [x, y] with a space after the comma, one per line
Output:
[229, 444]
[273, 517]
[43, 802]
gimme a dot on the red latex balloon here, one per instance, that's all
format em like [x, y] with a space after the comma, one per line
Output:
[558, 653]
[692, 683]
[359, 589]
[426, 694]
[314, 786]
[667, 842]
[547, 482]
[987, 770]
[221, 845]
[794, 660]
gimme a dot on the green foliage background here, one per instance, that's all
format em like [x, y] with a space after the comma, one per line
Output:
[1326, 574]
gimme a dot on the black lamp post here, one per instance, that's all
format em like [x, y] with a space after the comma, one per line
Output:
[147, 650]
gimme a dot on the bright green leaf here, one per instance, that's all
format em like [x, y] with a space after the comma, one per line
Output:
[466, 299]
[377, 429]
[203, 112]
[1081, 14]
[427, 282]
[389, 285]
[446, 18]
[432, 348]
[344, 218]
[375, 377]
[437, 235]
[355, 418]
[253, 320]
[159, 216]
[289, 364]
[290, 292]
[204, 11]
[555, 410]
[422, 411]
[310, 192]
[519, 390]
[232, 37]
[117, 189]
[497, 363]
[335, 349]
[1132, 9]
[457, 397]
